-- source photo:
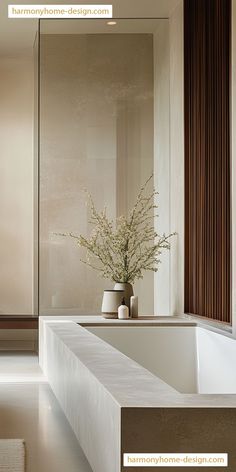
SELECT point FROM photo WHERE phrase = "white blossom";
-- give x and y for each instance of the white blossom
(122, 249)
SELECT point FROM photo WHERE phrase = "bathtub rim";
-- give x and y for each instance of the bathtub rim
(69, 330)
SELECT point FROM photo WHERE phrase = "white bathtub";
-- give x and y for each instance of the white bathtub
(121, 385)
(190, 359)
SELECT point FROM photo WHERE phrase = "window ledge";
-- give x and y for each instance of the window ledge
(213, 325)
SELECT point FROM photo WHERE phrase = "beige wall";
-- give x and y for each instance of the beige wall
(169, 160)
(16, 186)
(16, 271)
(96, 132)
(162, 159)
(177, 159)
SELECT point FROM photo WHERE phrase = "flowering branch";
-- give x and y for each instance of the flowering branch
(123, 249)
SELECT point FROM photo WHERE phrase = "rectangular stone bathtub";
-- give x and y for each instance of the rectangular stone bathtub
(160, 386)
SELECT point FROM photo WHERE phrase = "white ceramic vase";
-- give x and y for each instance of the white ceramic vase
(112, 299)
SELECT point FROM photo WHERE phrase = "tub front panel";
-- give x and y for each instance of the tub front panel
(180, 430)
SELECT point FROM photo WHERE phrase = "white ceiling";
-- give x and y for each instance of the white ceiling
(143, 25)
(17, 35)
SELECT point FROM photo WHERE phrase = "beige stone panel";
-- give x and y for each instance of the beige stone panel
(96, 133)
(16, 186)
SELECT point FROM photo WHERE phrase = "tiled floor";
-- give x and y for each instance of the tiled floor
(29, 410)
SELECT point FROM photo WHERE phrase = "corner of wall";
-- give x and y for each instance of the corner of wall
(177, 160)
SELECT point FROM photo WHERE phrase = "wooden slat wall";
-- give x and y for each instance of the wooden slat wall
(207, 158)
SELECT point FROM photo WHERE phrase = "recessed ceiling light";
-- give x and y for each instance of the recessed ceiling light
(111, 23)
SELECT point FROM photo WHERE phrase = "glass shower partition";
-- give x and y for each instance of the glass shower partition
(96, 133)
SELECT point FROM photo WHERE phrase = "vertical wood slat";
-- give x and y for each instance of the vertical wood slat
(207, 158)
